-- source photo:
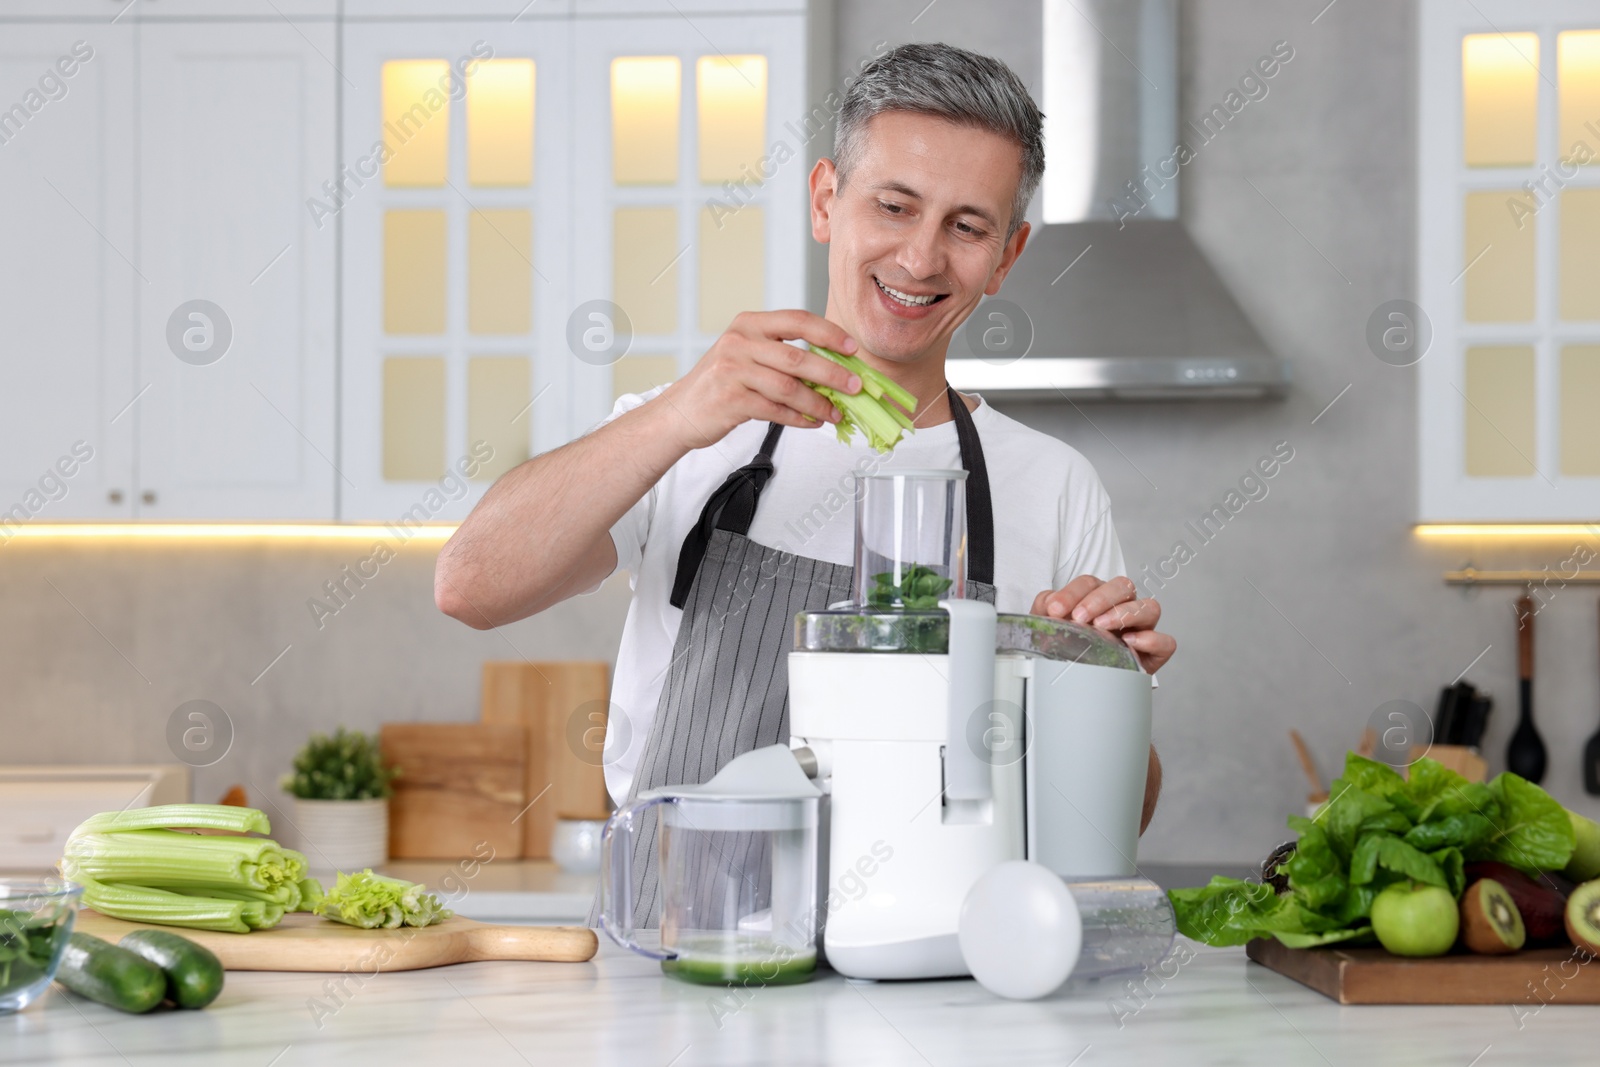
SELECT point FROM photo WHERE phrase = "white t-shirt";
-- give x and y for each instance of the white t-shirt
(1052, 522)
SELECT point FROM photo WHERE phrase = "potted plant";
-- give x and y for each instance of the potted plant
(340, 786)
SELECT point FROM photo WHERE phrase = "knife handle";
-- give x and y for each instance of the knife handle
(1525, 637)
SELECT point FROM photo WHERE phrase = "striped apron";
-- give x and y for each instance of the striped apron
(727, 686)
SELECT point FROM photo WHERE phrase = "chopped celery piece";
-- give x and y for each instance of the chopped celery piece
(370, 901)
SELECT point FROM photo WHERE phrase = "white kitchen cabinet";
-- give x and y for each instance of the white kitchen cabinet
(500, 12)
(40, 806)
(68, 280)
(693, 206)
(456, 260)
(219, 162)
(268, 10)
(1508, 259)
(133, 188)
(236, 131)
(127, 11)
(704, 217)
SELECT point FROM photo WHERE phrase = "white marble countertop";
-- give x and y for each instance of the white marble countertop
(1215, 1008)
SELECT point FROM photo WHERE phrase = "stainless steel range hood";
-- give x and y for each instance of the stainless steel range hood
(1111, 298)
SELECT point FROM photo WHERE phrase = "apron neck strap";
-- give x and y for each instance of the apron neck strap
(980, 509)
(731, 507)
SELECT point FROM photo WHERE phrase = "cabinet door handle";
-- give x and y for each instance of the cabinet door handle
(115, 496)
(148, 496)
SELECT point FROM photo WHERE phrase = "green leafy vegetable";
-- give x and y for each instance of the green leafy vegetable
(370, 901)
(873, 409)
(919, 589)
(1380, 828)
(1535, 833)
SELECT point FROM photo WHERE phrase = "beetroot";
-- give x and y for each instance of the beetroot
(1542, 904)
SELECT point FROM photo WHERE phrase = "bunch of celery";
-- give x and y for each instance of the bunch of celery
(370, 901)
(138, 865)
(870, 410)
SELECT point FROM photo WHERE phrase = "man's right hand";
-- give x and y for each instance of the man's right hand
(750, 373)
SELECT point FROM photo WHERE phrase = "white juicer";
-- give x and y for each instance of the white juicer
(948, 739)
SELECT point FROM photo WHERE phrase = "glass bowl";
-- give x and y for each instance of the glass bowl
(36, 916)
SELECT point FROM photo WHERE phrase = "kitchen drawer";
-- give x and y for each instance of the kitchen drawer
(40, 806)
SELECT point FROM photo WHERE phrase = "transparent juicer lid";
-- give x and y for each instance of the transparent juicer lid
(910, 553)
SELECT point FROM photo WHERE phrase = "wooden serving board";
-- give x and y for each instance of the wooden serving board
(564, 706)
(460, 785)
(1369, 975)
(305, 942)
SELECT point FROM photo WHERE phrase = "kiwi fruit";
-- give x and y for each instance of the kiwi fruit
(1583, 916)
(1490, 922)
(1540, 903)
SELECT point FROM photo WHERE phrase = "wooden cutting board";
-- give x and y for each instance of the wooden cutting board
(564, 706)
(461, 784)
(304, 942)
(1372, 976)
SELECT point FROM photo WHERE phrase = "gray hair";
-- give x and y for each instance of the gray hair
(952, 84)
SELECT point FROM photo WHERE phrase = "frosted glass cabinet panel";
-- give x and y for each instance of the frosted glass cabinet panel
(645, 95)
(1509, 261)
(731, 98)
(1499, 411)
(416, 122)
(1579, 265)
(1497, 259)
(1580, 403)
(1578, 74)
(500, 122)
(1500, 98)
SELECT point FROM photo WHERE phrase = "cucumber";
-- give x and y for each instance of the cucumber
(111, 975)
(194, 974)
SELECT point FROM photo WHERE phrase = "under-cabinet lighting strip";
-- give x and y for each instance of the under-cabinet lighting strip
(1551, 529)
(174, 531)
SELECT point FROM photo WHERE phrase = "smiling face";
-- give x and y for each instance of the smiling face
(917, 234)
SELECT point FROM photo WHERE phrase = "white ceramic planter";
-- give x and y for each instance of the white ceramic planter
(345, 835)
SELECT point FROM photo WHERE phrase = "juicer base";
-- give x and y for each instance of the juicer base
(923, 957)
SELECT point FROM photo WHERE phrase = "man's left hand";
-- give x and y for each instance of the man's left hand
(1115, 607)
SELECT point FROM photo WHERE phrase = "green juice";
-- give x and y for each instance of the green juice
(749, 963)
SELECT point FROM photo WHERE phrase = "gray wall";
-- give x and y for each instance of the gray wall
(101, 642)
(1364, 618)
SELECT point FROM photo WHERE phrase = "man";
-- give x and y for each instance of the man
(938, 153)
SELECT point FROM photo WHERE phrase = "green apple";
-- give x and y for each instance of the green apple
(1414, 919)
(1585, 863)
